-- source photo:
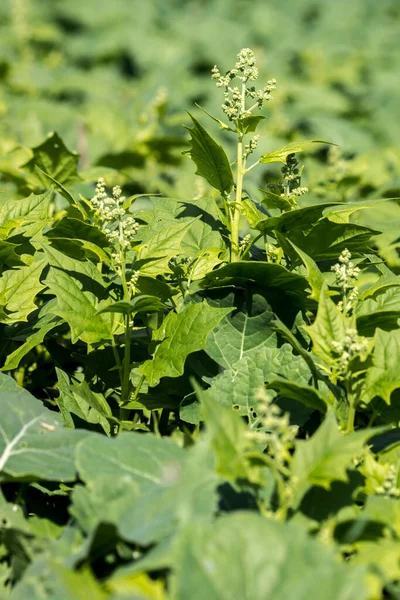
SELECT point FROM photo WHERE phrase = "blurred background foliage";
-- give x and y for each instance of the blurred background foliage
(114, 80)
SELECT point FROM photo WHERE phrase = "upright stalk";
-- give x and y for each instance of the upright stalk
(240, 171)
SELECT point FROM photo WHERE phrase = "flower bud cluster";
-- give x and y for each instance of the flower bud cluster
(274, 428)
(252, 145)
(346, 278)
(348, 348)
(245, 242)
(389, 486)
(345, 271)
(133, 281)
(234, 99)
(119, 228)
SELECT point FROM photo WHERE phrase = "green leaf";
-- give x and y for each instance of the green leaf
(220, 123)
(271, 200)
(230, 558)
(78, 398)
(314, 275)
(79, 308)
(250, 124)
(255, 218)
(54, 158)
(305, 394)
(281, 154)
(325, 457)
(181, 334)
(383, 377)
(89, 237)
(8, 256)
(241, 333)
(210, 158)
(33, 209)
(33, 443)
(136, 305)
(330, 325)
(266, 275)
(227, 437)
(19, 288)
(159, 244)
(162, 487)
(40, 330)
(238, 387)
(322, 230)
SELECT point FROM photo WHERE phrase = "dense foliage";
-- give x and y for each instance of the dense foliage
(200, 355)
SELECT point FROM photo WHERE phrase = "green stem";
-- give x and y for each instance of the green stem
(127, 362)
(239, 191)
(138, 388)
(117, 359)
(352, 408)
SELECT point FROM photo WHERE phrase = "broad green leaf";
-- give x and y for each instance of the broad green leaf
(179, 487)
(251, 557)
(46, 578)
(8, 256)
(64, 192)
(19, 288)
(238, 387)
(383, 377)
(255, 218)
(250, 124)
(33, 209)
(330, 325)
(54, 158)
(318, 231)
(40, 330)
(210, 158)
(267, 276)
(78, 308)
(88, 274)
(137, 305)
(88, 236)
(241, 334)
(301, 393)
(158, 247)
(379, 307)
(325, 457)
(226, 432)
(78, 398)
(271, 200)
(33, 443)
(180, 334)
(281, 154)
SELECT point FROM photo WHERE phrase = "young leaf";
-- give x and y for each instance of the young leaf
(383, 377)
(330, 325)
(181, 334)
(281, 154)
(78, 308)
(250, 124)
(325, 457)
(18, 290)
(210, 158)
(136, 305)
(54, 158)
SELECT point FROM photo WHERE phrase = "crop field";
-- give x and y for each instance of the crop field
(199, 300)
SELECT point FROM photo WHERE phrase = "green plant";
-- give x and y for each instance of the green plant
(173, 395)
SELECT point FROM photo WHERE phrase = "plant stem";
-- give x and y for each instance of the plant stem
(127, 362)
(352, 408)
(240, 171)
